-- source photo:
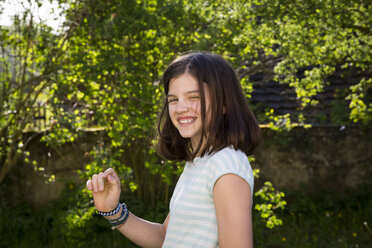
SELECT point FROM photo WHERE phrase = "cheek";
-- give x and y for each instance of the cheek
(171, 111)
(195, 106)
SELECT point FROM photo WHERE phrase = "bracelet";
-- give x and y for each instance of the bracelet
(112, 212)
(117, 223)
(121, 215)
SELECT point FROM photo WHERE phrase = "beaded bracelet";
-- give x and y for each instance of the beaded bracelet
(123, 213)
(117, 223)
(112, 212)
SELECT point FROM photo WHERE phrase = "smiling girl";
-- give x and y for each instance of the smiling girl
(206, 122)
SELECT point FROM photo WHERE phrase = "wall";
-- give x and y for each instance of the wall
(317, 158)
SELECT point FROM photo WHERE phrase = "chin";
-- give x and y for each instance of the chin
(186, 134)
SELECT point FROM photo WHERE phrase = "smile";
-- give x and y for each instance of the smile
(186, 121)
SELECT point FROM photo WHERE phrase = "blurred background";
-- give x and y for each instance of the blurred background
(80, 91)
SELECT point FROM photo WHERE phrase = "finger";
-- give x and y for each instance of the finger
(95, 183)
(110, 171)
(113, 180)
(100, 182)
(112, 177)
(89, 185)
(107, 182)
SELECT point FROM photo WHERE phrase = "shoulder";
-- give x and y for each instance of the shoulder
(229, 157)
(229, 161)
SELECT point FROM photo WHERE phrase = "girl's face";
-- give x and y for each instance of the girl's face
(185, 107)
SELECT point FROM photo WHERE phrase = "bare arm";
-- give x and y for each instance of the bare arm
(232, 199)
(106, 193)
(144, 233)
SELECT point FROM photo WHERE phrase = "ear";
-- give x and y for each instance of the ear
(224, 109)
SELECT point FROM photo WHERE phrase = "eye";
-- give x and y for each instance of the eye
(170, 100)
(194, 97)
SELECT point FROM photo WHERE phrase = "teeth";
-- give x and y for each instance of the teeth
(186, 121)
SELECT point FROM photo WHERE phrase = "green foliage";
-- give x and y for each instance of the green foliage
(115, 60)
(272, 200)
(360, 111)
(283, 38)
(321, 219)
(103, 71)
(26, 69)
(310, 220)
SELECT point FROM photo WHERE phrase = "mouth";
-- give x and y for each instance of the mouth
(186, 121)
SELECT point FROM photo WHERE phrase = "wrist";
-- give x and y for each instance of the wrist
(115, 216)
(111, 212)
(122, 219)
(118, 216)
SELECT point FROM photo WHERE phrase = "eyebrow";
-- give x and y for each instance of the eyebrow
(188, 92)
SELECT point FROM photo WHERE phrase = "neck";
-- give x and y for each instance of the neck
(194, 146)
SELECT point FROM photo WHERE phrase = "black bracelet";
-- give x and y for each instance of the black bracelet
(112, 212)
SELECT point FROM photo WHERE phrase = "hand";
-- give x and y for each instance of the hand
(106, 190)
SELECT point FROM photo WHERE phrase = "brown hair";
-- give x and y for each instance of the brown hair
(232, 122)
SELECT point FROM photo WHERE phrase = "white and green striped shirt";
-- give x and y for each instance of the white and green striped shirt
(192, 220)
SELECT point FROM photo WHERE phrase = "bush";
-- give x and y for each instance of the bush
(310, 220)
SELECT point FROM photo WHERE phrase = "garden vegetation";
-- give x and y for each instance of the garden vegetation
(101, 71)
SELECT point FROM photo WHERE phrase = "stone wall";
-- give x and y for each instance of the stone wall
(55, 170)
(332, 158)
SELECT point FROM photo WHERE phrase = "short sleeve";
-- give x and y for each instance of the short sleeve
(229, 161)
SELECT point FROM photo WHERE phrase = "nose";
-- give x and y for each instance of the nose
(182, 106)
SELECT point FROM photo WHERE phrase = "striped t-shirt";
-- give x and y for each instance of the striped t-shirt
(193, 220)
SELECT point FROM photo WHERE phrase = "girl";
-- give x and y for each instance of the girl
(206, 122)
